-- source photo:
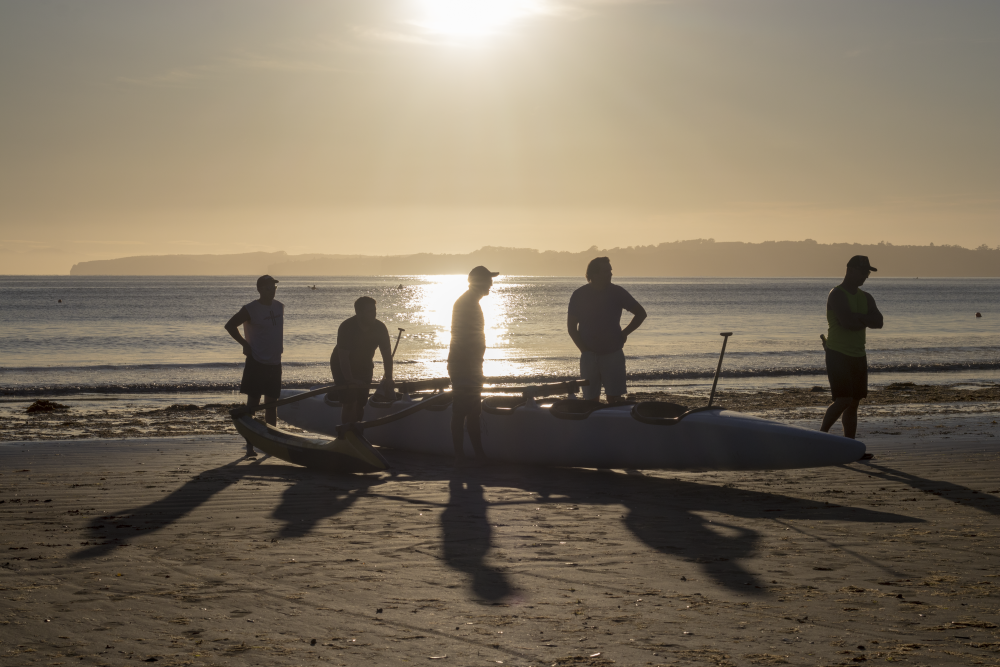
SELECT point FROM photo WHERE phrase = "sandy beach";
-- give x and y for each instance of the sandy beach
(179, 551)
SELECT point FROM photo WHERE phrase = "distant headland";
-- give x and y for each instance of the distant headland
(694, 258)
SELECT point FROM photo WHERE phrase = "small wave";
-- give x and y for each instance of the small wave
(195, 386)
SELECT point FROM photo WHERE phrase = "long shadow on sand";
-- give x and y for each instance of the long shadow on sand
(324, 496)
(683, 519)
(467, 539)
(956, 493)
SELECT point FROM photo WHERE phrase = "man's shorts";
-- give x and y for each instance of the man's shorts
(260, 379)
(345, 394)
(848, 375)
(603, 369)
(467, 388)
(467, 402)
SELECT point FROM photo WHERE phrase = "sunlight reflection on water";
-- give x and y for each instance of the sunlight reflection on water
(431, 304)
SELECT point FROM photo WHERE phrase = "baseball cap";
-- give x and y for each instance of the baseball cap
(861, 262)
(266, 281)
(481, 274)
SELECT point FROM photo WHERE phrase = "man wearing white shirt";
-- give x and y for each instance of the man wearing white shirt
(263, 325)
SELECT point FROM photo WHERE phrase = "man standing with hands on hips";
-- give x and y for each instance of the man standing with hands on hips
(849, 312)
(594, 323)
(263, 323)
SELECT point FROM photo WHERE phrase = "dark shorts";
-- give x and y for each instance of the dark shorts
(341, 392)
(467, 387)
(848, 375)
(467, 402)
(261, 379)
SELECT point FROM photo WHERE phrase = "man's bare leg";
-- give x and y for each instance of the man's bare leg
(833, 413)
(850, 418)
(458, 432)
(351, 412)
(271, 414)
(252, 402)
(475, 435)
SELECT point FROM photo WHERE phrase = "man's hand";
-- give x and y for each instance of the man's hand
(624, 337)
(247, 352)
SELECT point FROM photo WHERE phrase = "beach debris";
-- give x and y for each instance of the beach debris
(312, 642)
(42, 405)
(379, 610)
(816, 389)
(978, 314)
(438, 657)
(683, 578)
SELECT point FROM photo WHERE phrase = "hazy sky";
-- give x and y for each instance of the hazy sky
(393, 126)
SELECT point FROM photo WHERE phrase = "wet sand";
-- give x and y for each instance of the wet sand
(81, 420)
(177, 551)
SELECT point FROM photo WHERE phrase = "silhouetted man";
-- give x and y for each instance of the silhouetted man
(263, 323)
(849, 312)
(352, 360)
(594, 323)
(465, 362)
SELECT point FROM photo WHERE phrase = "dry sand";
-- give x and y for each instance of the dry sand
(178, 551)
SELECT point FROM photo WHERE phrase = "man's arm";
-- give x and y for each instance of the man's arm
(573, 327)
(385, 347)
(873, 319)
(233, 327)
(639, 316)
(344, 358)
(837, 302)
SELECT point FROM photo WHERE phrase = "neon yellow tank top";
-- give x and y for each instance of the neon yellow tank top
(845, 341)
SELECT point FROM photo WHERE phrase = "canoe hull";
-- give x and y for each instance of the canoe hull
(347, 454)
(607, 438)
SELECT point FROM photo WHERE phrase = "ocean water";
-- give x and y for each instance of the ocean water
(129, 335)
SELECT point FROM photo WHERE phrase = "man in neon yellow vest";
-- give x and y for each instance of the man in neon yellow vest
(849, 312)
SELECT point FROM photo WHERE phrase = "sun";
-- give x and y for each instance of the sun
(472, 18)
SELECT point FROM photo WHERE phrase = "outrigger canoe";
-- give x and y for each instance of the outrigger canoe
(571, 432)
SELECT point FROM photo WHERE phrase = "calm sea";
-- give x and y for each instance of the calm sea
(128, 335)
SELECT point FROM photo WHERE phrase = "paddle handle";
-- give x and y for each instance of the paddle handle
(725, 339)
(396, 346)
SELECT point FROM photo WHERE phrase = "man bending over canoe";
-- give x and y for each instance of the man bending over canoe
(352, 362)
(849, 312)
(594, 323)
(465, 362)
(263, 323)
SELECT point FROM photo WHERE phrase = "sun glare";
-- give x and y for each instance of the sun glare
(472, 18)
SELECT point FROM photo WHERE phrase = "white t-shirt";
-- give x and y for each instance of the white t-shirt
(264, 331)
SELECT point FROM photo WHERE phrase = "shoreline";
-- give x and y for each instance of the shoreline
(130, 417)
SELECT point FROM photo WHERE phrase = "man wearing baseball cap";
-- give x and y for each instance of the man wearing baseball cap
(849, 312)
(263, 324)
(465, 362)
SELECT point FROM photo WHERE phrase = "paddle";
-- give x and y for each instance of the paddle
(396, 347)
(725, 339)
